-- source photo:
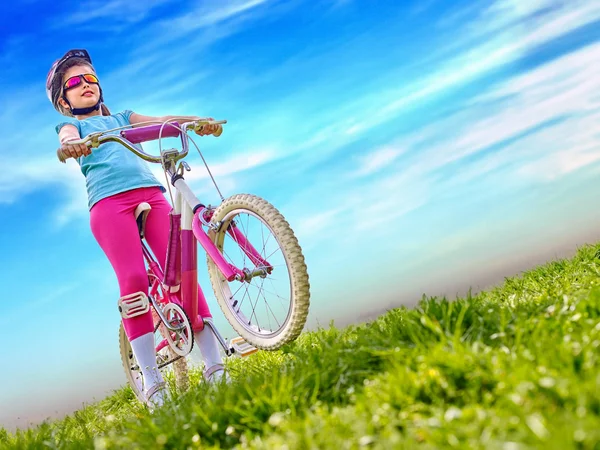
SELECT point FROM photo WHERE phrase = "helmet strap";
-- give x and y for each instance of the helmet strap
(81, 111)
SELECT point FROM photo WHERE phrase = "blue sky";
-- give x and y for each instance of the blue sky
(415, 147)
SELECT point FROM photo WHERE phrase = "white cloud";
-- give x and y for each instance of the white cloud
(564, 90)
(389, 203)
(516, 31)
(561, 163)
(561, 89)
(355, 206)
(545, 155)
(479, 60)
(544, 120)
(513, 37)
(111, 11)
(309, 227)
(197, 28)
(378, 159)
(544, 123)
(209, 14)
(20, 178)
(240, 162)
(236, 163)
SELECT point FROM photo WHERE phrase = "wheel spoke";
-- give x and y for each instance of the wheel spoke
(267, 308)
(265, 243)
(238, 290)
(229, 257)
(274, 251)
(261, 292)
(254, 313)
(267, 304)
(274, 288)
(269, 292)
(239, 305)
(262, 234)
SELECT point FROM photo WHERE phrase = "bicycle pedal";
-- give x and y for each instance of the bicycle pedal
(241, 347)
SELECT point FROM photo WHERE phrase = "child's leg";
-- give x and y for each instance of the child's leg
(157, 235)
(114, 227)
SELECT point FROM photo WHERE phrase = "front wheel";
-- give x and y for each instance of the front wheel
(270, 309)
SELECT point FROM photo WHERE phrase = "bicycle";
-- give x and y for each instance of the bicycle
(174, 293)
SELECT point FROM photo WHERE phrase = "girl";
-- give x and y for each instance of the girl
(117, 181)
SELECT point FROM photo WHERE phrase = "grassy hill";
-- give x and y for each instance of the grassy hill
(515, 367)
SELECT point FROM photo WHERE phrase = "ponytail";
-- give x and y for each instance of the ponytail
(105, 110)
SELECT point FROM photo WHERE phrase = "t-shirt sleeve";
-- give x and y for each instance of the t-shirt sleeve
(126, 115)
(74, 122)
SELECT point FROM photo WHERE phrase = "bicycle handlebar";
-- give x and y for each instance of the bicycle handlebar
(141, 134)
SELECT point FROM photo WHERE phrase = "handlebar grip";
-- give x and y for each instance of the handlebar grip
(62, 156)
(213, 122)
(151, 132)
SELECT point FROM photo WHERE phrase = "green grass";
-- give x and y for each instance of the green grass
(515, 367)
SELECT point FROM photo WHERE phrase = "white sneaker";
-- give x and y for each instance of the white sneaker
(216, 374)
(156, 396)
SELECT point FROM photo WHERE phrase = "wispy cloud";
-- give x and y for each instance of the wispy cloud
(309, 227)
(194, 29)
(22, 178)
(519, 30)
(209, 14)
(378, 159)
(536, 126)
(26, 307)
(540, 123)
(111, 11)
(535, 102)
(484, 58)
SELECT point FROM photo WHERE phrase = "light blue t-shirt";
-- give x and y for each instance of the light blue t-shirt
(111, 168)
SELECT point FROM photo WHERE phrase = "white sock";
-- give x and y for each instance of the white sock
(209, 347)
(145, 353)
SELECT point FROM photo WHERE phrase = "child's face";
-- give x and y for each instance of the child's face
(85, 94)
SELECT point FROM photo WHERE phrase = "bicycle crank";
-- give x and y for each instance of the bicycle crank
(237, 346)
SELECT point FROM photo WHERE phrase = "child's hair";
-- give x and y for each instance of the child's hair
(59, 82)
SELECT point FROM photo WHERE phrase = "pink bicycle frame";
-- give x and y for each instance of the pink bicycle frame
(191, 231)
(181, 267)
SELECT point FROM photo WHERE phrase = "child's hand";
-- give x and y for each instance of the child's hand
(75, 150)
(210, 129)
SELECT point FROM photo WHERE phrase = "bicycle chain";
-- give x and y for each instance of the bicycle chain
(170, 361)
(160, 366)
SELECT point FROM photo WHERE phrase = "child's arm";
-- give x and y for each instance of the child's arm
(136, 118)
(69, 133)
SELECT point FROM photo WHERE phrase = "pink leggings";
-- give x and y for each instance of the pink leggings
(114, 227)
